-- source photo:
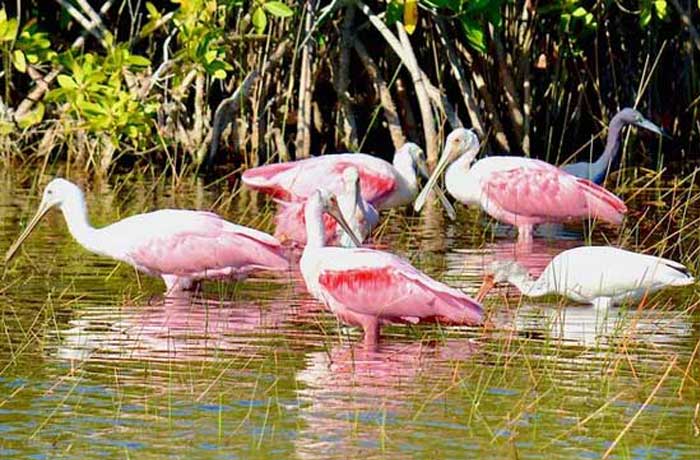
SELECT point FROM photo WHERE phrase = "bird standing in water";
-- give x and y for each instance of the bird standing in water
(597, 171)
(181, 246)
(601, 275)
(519, 191)
(367, 288)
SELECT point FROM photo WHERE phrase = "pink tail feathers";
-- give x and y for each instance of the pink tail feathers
(603, 204)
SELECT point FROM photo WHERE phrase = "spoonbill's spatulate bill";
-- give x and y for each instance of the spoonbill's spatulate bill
(384, 185)
(180, 246)
(519, 191)
(361, 216)
(367, 288)
(597, 171)
(601, 275)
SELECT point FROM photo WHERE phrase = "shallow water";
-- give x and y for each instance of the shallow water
(95, 363)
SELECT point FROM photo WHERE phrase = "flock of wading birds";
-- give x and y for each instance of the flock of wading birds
(336, 199)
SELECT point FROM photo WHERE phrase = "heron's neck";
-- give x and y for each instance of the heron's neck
(315, 231)
(76, 215)
(612, 145)
(528, 286)
(403, 163)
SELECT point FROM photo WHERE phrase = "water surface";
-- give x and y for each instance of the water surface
(95, 363)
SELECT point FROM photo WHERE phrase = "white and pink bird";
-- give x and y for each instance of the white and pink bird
(362, 217)
(522, 192)
(367, 288)
(181, 246)
(384, 185)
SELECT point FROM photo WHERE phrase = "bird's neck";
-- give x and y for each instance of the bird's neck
(407, 171)
(528, 286)
(76, 215)
(612, 144)
(315, 231)
(455, 181)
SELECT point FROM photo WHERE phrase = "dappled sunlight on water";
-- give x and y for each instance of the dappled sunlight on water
(96, 362)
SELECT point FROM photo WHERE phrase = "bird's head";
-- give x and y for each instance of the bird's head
(459, 142)
(58, 193)
(329, 204)
(631, 116)
(499, 271)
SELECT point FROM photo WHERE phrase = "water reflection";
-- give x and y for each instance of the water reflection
(588, 326)
(352, 398)
(186, 328)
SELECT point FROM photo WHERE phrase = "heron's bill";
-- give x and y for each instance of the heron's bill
(486, 286)
(43, 209)
(646, 124)
(335, 213)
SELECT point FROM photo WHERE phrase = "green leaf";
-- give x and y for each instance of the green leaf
(219, 74)
(259, 20)
(394, 13)
(33, 117)
(474, 33)
(6, 128)
(19, 61)
(153, 11)
(661, 9)
(67, 82)
(278, 9)
(209, 56)
(138, 61)
(645, 17)
(10, 31)
(579, 12)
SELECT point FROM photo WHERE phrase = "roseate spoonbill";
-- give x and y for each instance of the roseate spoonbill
(518, 191)
(180, 246)
(359, 214)
(384, 185)
(599, 169)
(601, 275)
(367, 288)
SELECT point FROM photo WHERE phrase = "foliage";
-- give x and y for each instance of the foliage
(99, 93)
(150, 76)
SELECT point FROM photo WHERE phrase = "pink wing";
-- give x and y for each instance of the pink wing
(290, 223)
(297, 180)
(189, 243)
(397, 291)
(544, 191)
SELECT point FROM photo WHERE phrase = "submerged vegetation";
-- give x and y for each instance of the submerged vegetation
(175, 82)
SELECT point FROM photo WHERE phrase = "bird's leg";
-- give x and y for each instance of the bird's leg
(525, 236)
(175, 285)
(370, 325)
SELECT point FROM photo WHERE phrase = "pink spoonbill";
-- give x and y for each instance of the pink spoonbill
(601, 275)
(361, 216)
(368, 288)
(181, 246)
(384, 185)
(519, 191)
